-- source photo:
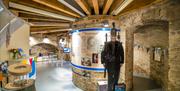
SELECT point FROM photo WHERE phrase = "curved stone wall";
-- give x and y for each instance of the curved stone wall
(87, 45)
(87, 79)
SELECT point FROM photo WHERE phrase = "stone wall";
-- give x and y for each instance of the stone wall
(145, 38)
(141, 66)
(38, 38)
(167, 12)
(174, 45)
(38, 44)
(44, 49)
(87, 80)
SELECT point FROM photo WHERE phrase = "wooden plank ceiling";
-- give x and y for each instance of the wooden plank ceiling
(54, 15)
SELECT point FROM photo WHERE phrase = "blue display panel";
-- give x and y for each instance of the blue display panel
(67, 50)
(91, 29)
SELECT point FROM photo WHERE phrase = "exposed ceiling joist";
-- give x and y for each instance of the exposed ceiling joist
(96, 6)
(37, 17)
(107, 5)
(57, 6)
(137, 4)
(122, 6)
(35, 10)
(49, 24)
(43, 20)
(43, 28)
(84, 6)
(28, 15)
(115, 5)
(57, 32)
(31, 3)
(71, 7)
(25, 12)
(49, 29)
(34, 16)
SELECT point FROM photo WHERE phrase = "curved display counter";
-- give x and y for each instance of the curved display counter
(19, 69)
(29, 85)
(86, 78)
(87, 45)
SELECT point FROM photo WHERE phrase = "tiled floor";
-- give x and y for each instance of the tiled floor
(53, 78)
(50, 77)
(144, 84)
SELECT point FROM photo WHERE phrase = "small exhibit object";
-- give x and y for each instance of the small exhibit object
(19, 69)
(85, 61)
(102, 85)
(120, 87)
(94, 58)
(67, 50)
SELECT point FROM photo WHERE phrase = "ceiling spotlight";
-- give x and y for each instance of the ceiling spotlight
(46, 40)
(106, 25)
(30, 38)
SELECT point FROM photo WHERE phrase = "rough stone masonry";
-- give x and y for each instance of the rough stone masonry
(167, 14)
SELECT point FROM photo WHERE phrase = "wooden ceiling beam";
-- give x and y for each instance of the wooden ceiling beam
(36, 16)
(122, 6)
(49, 24)
(35, 10)
(84, 6)
(96, 6)
(25, 12)
(71, 7)
(44, 20)
(107, 5)
(33, 15)
(115, 5)
(48, 29)
(45, 28)
(137, 4)
(51, 32)
(57, 6)
(31, 3)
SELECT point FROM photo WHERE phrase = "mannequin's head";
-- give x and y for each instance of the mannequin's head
(113, 32)
(113, 38)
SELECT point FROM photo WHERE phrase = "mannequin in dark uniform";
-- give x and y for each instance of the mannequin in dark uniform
(113, 58)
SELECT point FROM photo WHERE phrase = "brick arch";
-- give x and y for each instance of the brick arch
(151, 22)
(131, 26)
(163, 25)
(45, 46)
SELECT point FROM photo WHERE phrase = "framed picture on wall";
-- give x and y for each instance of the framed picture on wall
(94, 58)
(85, 61)
(157, 54)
